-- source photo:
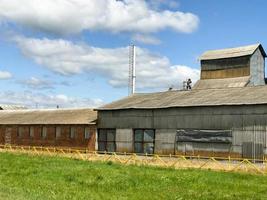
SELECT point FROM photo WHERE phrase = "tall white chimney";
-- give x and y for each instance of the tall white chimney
(132, 76)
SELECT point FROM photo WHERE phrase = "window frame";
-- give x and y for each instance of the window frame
(58, 134)
(85, 133)
(106, 141)
(143, 142)
(31, 132)
(20, 131)
(44, 133)
(74, 132)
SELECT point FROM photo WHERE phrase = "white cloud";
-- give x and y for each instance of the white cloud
(74, 16)
(31, 100)
(37, 83)
(146, 39)
(68, 58)
(5, 75)
(158, 3)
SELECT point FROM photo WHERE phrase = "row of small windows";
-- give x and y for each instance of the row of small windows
(72, 132)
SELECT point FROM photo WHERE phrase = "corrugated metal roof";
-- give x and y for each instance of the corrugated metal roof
(232, 52)
(222, 83)
(12, 107)
(206, 97)
(49, 116)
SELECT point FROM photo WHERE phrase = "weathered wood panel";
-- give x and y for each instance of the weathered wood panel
(225, 73)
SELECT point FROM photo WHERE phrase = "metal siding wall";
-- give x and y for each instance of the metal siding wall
(257, 69)
(223, 117)
(124, 140)
(248, 123)
(165, 141)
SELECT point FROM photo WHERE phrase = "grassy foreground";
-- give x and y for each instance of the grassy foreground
(27, 177)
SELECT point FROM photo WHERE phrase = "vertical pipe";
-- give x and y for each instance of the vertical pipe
(134, 76)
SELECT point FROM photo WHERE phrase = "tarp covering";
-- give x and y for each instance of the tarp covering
(204, 136)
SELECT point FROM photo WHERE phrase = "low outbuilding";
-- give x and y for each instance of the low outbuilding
(51, 127)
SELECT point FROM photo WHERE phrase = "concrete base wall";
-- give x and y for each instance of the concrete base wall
(124, 140)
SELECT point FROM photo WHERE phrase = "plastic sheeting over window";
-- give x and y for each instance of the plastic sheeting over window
(204, 136)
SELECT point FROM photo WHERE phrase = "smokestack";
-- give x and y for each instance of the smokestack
(132, 76)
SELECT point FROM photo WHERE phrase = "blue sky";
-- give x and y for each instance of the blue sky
(73, 53)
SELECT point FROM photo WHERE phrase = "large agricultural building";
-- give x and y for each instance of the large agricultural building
(54, 127)
(225, 113)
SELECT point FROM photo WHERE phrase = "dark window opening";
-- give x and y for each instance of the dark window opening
(144, 141)
(107, 140)
(20, 132)
(86, 133)
(72, 132)
(31, 132)
(58, 132)
(44, 132)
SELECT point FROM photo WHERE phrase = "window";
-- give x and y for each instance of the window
(72, 132)
(44, 132)
(107, 140)
(20, 132)
(58, 132)
(86, 133)
(31, 132)
(144, 141)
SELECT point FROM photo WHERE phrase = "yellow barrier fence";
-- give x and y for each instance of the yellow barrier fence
(167, 161)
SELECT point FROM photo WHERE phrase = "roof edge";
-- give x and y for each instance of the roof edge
(257, 45)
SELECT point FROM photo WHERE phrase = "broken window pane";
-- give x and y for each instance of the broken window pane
(149, 148)
(149, 135)
(144, 141)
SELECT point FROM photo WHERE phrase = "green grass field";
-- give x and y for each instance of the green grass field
(28, 177)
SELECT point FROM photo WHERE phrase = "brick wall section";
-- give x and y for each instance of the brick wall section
(64, 140)
(2, 135)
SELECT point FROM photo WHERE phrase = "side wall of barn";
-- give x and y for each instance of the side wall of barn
(10, 135)
(247, 124)
(2, 135)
